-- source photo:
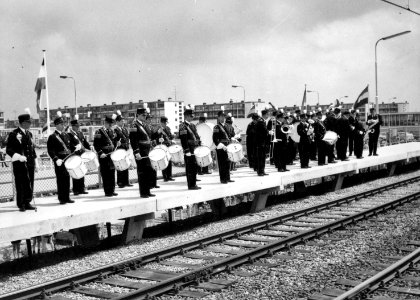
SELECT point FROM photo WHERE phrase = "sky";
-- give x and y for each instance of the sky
(122, 51)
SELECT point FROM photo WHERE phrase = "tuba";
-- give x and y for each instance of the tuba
(286, 129)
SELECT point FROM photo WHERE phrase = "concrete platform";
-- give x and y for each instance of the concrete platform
(96, 208)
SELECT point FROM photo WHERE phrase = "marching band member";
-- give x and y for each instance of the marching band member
(165, 137)
(313, 146)
(343, 131)
(105, 143)
(261, 142)
(319, 130)
(271, 126)
(153, 136)
(330, 123)
(250, 142)
(21, 149)
(59, 148)
(141, 144)
(359, 134)
(203, 170)
(123, 136)
(304, 143)
(352, 122)
(280, 143)
(374, 121)
(77, 137)
(231, 132)
(291, 146)
(221, 139)
(189, 141)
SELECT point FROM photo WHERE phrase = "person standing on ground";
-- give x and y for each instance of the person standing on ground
(122, 135)
(374, 121)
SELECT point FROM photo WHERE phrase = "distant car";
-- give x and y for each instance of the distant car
(406, 136)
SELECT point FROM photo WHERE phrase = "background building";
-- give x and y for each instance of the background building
(2, 124)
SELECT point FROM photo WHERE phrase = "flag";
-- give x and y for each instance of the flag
(251, 111)
(40, 85)
(304, 99)
(337, 103)
(45, 127)
(363, 98)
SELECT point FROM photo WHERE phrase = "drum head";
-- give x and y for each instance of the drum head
(118, 154)
(157, 154)
(163, 147)
(174, 149)
(73, 162)
(201, 151)
(205, 131)
(88, 155)
(234, 147)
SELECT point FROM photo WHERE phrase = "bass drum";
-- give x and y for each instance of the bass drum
(294, 134)
(205, 131)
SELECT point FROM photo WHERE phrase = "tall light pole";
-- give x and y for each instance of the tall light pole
(74, 84)
(376, 64)
(237, 105)
(317, 95)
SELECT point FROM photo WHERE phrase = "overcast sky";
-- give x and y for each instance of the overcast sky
(121, 51)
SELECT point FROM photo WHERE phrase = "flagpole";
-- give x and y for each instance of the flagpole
(46, 94)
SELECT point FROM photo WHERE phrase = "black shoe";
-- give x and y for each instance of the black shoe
(375, 154)
(345, 159)
(370, 154)
(121, 186)
(84, 193)
(171, 179)
(62, 202)
(198, 180)
(200, 173)
(321, 164)
(109, 195)
(266, 174)
(287, 170)
(144, 196)
(281, 170)
(165, 180)
(223, 182)
(156, 187)
(332, 162)
(114, 194)
(151, 195)
(69, 201)
(360, 157)
(230, 180)
(22, 209)
(305, 167)
(208, 173)
(129, 184)
(76, 194)
(194, 188)
(261, 174)
(29, 207)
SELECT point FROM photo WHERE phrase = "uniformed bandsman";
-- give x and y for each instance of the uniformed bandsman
(141, 144)
(165, 137)
(105, 143)
(312, 147)
(271, 123)
(21, 149)
(189, 141)
(330, 124)
(152, 132)
(250, 144)
(343, 132)
(77, 137)
(352, 122)
(319, 131)
(374, 122)
(303, 129)
(359, 134)
(202, 170)
(280, 143)
(123, 136)
(261, 140)
(221, 139)
(59, 148)
(232, 134)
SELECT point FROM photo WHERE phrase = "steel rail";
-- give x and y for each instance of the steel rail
(97, 273)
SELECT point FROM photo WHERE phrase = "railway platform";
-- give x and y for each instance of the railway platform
(94, 208)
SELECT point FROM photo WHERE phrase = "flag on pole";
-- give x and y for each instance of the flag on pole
(337, 103)
(251, 111)
(40, 85)
(304, 99)
(363, 98)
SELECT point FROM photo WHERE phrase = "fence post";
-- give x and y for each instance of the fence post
(13, 181)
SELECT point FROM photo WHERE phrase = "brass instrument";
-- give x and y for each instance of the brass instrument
(372, 124)
(286, 129)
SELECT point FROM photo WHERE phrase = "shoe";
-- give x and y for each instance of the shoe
(76, 194)
(144, 196)
(70, 201)
(346, 159)
(171, 179)
(198, 180)
(360, 157)
(305, 167)
(287, 170)
(114, 194)
(281, 170)
(332, 162)
(62, 202)
(129, 185)
(29, 207)
(165, 180)
(22, 209)
(261, 174)
(370, 154)
(266, 174)
(321, 164)
(200, 173)
(109, 195)
(223, 182)
(194, 188)
(84, 193)
(156, 187)
(121, 186)
(230, 180)
(151, 195)
(375, 154)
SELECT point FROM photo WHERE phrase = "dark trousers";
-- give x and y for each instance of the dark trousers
(108, 178)
(312, 150)
(271, 153)
(373, 143)
(358, 145)
(341, 146)
(260, 159)
(191, 170)
(167, 173)
(322, 154)
(291, 151)
(250, 154)
(153, 178)
(224, 165)
(63, 183)
(144, 173)
(330, 152)
(78, 185)
(24, 187)
(304, 153)
(202, 170)
(351, 143)
(280, 156)
(123, 178)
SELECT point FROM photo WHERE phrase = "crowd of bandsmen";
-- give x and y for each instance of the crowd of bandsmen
(267, 135)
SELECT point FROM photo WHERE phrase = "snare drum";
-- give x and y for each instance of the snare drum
(76, 167)
(203, 156)
(177, 154)
(164, 148)
(133, 163)
(158, 159)
(91, 160)
(234, 152)
(120, 159)
(330, 137)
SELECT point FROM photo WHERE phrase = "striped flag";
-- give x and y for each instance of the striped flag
(363, 98)
(40, 85)
(251, 111)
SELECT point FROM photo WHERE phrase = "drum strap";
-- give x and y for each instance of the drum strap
(144, 130)
(191, 132)
(106, 134)
(61, 142)
(223, 129)
(75, 134)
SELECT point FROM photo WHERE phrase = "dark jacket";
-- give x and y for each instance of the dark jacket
(78, 138)
(123, 136)
(376, 117)
(59, 146)
(220, 135)
(25, 147)
(261, 133)
(343, 127)
(189, 137)
(302, 130)
(140, 139)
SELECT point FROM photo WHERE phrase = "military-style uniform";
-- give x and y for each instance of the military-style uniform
(291, 144)
(280, 148)
(153, 136)
(141, 144)
(220, 138)
(343, 131)
(359, 135)
(304, 143)
(104, 143)
(320, 130)
(20, 142)
(262, 141)
(59, 147)
(330, 125)
(189, 141)
(123, 136)
(352, 122)
(272, 122)
(167, 137)
(373, 137)
(250, 144)
(77, 137)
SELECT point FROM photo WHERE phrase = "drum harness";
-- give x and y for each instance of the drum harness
(193, 134)
(109, 139)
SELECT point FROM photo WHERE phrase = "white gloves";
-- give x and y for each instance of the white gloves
(161, 140)
(138, 157)
(220, 146)
(234, 140)
(103, 155)
(59, 162)
(92, 148)
(271, 132)
(23, 158)
(78, 147)
(16, 157)
(360, 132)
(188, 154)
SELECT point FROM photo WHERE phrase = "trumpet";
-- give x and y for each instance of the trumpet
(286, 129)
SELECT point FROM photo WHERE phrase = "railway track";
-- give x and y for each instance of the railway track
(199, 260)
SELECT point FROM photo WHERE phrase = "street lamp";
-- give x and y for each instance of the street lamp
(317, 95)
(74, 84)
(376, 64)
(237, 106)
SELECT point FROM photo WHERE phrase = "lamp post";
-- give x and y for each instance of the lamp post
(376, 64)
(74, 84)
(237, 105)
(317, 95)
